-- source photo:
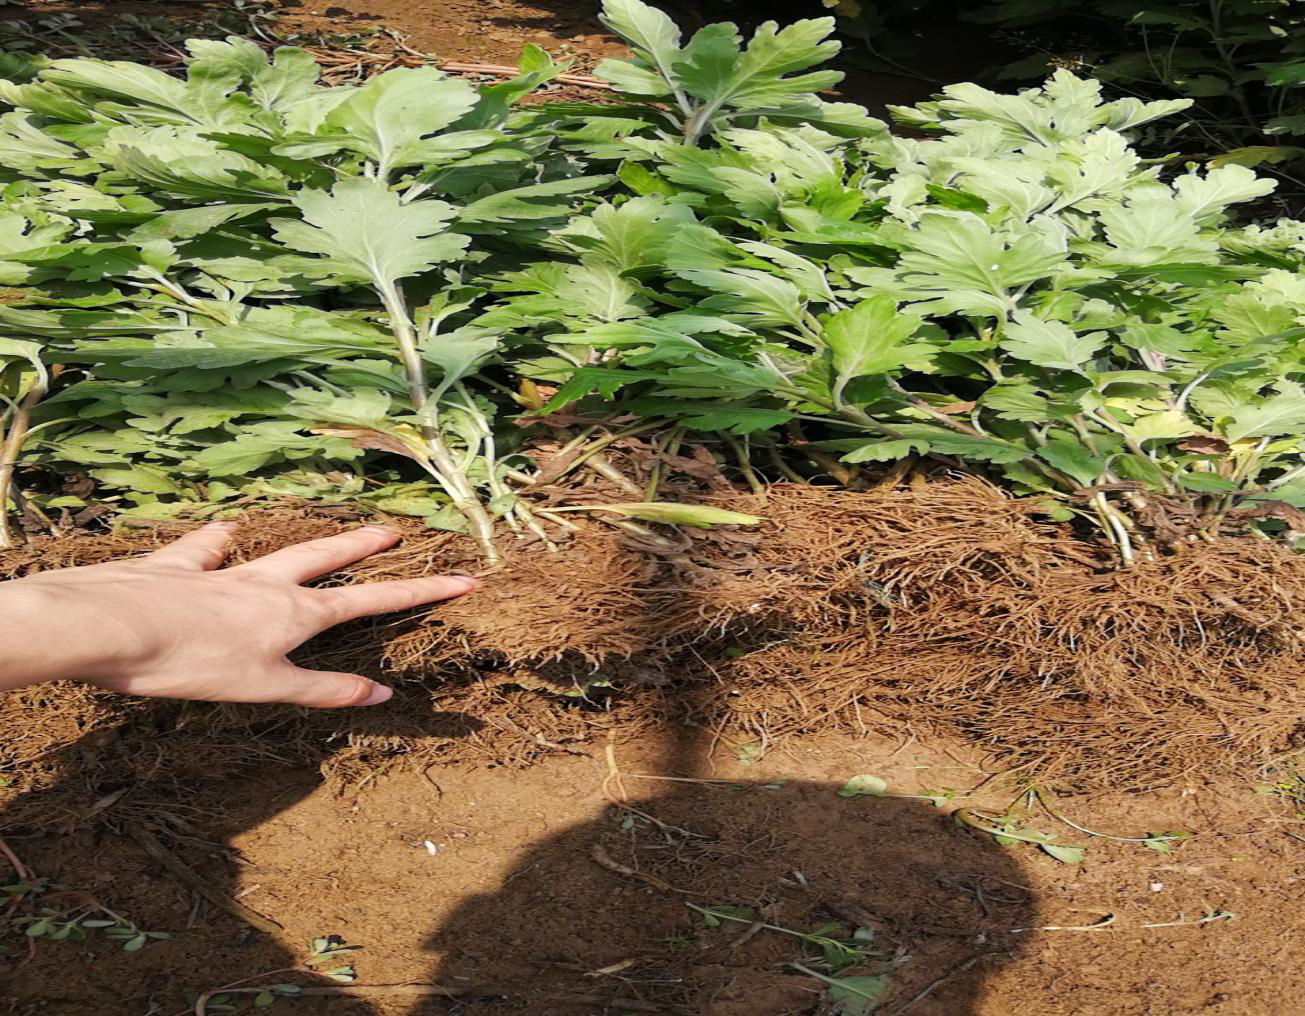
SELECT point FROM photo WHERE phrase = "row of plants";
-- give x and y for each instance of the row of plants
(243, 283)
(1242, 62)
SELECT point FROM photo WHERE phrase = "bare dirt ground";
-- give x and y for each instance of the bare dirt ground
(545, 897)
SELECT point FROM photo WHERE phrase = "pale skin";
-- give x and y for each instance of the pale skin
(176, 624)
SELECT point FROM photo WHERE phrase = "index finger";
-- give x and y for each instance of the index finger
(347, 602)
(310, 560)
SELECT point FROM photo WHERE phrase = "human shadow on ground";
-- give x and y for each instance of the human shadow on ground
(605, 917)
(609, 915)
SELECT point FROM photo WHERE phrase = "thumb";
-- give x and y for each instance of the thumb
(324, 689)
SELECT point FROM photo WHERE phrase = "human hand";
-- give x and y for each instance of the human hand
(171, 624)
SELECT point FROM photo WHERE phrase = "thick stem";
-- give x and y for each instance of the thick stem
(598, 463)
(595, 447)
(446, 468)
(14, 437)
(1112, 519)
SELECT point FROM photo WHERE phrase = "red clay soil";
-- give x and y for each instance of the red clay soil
(539, 895)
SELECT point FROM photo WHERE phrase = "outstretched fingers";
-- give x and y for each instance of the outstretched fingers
(347, 602)
(310, 560)
(201, 549)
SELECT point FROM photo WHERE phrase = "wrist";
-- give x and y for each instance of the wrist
(48, 633)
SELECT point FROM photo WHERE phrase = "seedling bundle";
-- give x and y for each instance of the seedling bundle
(244, 284)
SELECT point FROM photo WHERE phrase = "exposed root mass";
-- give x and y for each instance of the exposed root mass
(949, 606)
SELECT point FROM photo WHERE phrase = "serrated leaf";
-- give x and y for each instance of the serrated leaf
(1073, 459)
(388, 116)
(750, 293)
(1165, 425)
(288, 78)
(871, 338)
(457, 354)
(365, 233)
(922, 437)
(1222, 186)
(949, 256)
(655, 38)
(1049, 343)
(1282, 413)
(717, 73)
(535, 201)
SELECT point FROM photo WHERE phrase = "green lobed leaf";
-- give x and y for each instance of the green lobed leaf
(364, 232)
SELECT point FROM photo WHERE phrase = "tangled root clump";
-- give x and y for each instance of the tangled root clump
(977, 619)
(949, 607)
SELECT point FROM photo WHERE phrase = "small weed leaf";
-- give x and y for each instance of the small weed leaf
(1006, 831)
(715, 916)
(263, 999)
(857, 996)
(38, 928)
(1165, 841)
(1064, 854)
(864, 785)
(750, 752)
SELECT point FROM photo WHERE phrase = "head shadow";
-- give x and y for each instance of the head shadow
(695, 892)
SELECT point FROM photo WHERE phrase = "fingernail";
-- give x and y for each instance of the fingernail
(387, 530)
(469, 582)
(222, 525)
(377, 695)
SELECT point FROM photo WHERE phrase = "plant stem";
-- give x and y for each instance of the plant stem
(598, 445)
(928, 410)
(745, 467)
(1122, 539)
(201, 1003)
(1229, 64)
(784, 469)
(14, 436)
(1042, 796)
(445, 469)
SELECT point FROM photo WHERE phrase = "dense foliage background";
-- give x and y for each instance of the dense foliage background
(244, 283)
